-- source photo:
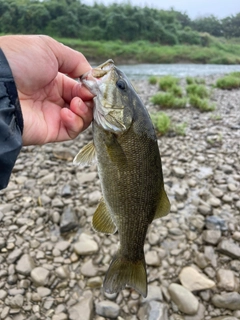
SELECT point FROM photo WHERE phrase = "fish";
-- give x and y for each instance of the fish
(130, 170)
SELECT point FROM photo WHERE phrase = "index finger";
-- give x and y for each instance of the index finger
(70, 62)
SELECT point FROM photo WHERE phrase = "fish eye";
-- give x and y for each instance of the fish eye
(121, 84)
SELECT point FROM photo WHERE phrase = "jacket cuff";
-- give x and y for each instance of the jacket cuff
(7, 77)
(11, 122)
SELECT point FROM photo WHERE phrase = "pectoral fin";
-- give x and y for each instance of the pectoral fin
(86, 156)
(163, 207)
(102, 220)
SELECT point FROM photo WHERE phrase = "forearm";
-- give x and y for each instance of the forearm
(11, 122)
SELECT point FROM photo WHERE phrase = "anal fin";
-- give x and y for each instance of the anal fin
(102, 220)
(164, 206)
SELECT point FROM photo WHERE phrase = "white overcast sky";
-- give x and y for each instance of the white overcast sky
(194, 8)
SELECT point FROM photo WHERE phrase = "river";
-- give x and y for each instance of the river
(143, 71)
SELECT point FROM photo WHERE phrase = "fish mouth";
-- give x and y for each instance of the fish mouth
(93, 78)
(105, 113)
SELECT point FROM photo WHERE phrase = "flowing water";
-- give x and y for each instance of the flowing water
(143, 71)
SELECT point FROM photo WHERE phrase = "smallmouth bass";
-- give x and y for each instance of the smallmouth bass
(130, 171)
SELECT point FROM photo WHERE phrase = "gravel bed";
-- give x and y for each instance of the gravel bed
(52, 264)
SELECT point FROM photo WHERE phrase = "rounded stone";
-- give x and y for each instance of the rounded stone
(183, 298)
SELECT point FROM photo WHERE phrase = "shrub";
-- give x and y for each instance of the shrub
(202, 104)
(180, 129)
(228, 82)
(197, 90)
(161, 122)
(166, 82)
(168, 100)
(153, 80)
(191, 80)
(176, 91)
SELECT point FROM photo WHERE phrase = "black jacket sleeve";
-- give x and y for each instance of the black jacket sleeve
(11, 122)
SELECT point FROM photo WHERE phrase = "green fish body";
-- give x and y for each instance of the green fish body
(130, 172)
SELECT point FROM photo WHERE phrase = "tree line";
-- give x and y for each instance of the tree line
(74, 19)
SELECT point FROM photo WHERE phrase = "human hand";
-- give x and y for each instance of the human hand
(55, 107)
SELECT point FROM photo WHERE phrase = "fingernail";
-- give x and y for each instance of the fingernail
(83, 107)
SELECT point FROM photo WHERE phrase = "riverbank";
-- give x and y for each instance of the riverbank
(218, 51)
(53, 264)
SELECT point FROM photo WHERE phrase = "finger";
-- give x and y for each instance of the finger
(83, 110)
(71, 88)
(70, 61)
(72, 124)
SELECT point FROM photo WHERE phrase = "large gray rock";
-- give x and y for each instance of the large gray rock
(107, 309)
(83, 310)
(229, 248)
(25, 265)
(86, 245)
(183, 298)
(153, 310)
(226, 280)
(229, 300)
(40, 276)
(194, 280)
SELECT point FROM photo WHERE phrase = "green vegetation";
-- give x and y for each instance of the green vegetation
(180, 129)
(153, 80)
(201, 104)
(191, 80)
(125, 32)
(161, 122)
(168, 100)
(167, 82)
(197, 90)
(229, 81)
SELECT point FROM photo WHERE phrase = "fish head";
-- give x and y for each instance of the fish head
(113, 93)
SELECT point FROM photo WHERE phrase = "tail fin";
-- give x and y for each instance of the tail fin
(124, 272)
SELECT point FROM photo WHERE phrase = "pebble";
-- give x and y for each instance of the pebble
(184, 299)
(230, 300)
(69, 220)
(194, 280)
(40, 276)
(14, 255)
(214, 202)
(94, 197)
(178, 172)
(211, 236)
(215, 223)
(86, 245)
(226, 280)
(154, 310)
(25, 265)
(152, 259)
(107, 309)
(82, 310)
(229, 248)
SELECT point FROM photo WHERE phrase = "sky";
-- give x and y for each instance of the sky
(194, 8)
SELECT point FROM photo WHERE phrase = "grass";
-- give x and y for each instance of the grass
(229, 81)
(197, 90)
(192, 80)
(161, 122)
(168, 100)
(167, 82)
(152, 80)
(146, 52)
(180, 129)
(202, 104)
